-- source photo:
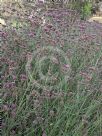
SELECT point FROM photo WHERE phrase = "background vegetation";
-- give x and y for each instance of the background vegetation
(68, 100)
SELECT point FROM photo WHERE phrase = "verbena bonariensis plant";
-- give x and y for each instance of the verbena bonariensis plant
(45, 102)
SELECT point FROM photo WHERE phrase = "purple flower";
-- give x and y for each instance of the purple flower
(66, 66)
(41, 1)
(13, 106)
(9, 85)
(14, 77)
(5, 108)
(31, 34)
(23, 77)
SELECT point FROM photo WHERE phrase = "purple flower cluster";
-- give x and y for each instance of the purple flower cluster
(9, 85)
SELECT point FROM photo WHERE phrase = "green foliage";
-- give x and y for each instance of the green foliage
(83, 7)
(86, 10)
